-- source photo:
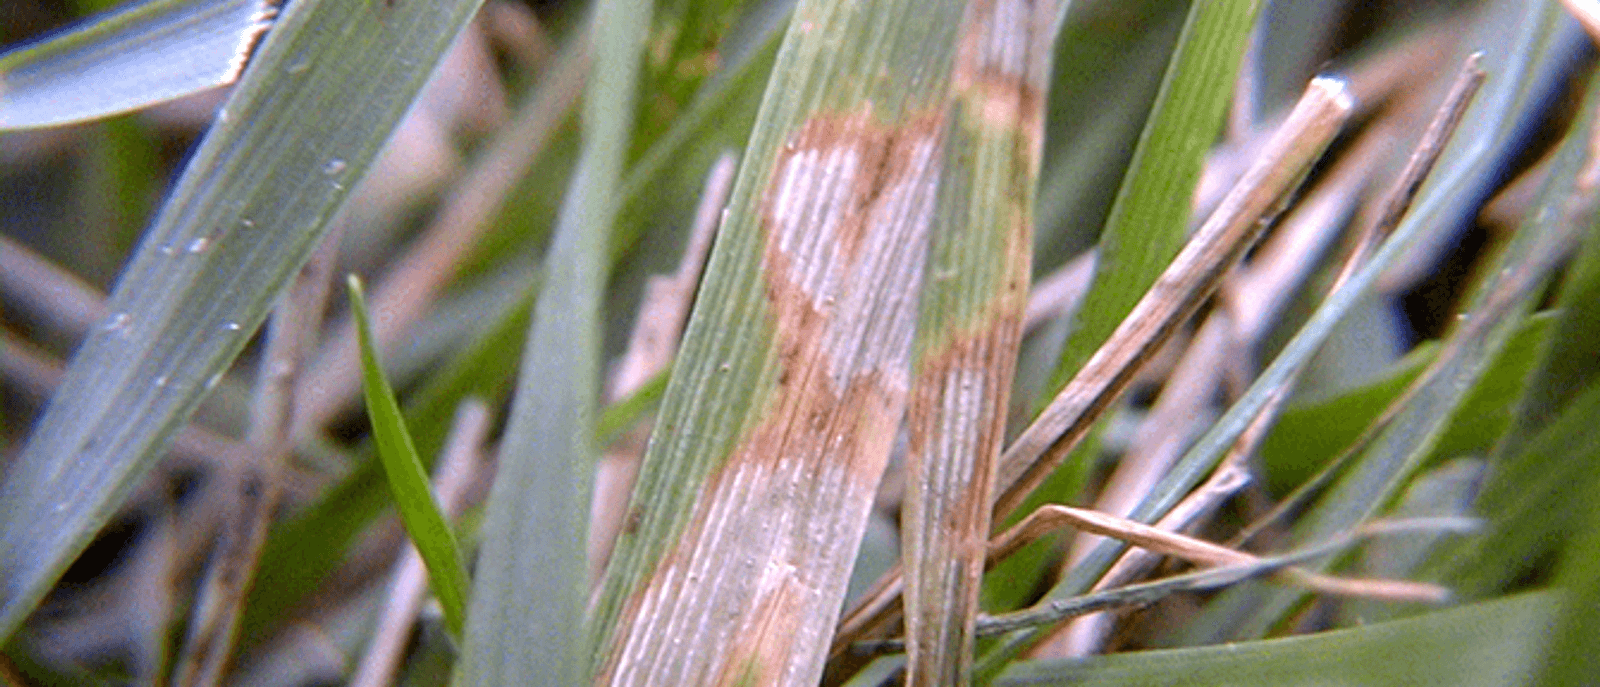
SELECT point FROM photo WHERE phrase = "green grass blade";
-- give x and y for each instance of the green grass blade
(1150, 216)
(621, 416)
(528, 611)
(1489, 644)
(1573, 654)
(1540, 491)
(1309, 435)
(146, 53)
(325, 90)
(303, 550)
(408, 482)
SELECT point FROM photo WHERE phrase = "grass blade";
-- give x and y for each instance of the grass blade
(1150, 217)
(1192, 276)
(719, 117)
(413, 495)
(132, 57)
(1487, 644)
(324, 91)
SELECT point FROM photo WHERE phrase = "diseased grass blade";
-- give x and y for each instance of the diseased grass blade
(794, 369)
(970, 326)
(527, 624)
(135, 56)
(1260, 193)
(1490, 644)
(1182, 287)
(425, 521)
(323, 92)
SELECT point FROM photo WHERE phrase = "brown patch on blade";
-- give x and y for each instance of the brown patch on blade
(751, 588)
(955, 424)
(999, 61)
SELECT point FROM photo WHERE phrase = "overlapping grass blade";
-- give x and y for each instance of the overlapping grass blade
(719, 116)
(1149, 218)
(136, 56)
(324, 91)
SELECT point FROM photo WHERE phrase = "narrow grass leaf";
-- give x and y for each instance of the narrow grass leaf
(322, 94)
(135, 56)
(628, 410)
(527, 623)
(303, 550)
(408, 482)
(1150, 217)
(970, 326)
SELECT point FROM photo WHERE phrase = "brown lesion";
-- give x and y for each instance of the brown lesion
(999, 64)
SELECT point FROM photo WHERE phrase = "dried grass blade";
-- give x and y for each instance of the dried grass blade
(1227, 574)
(1190, 278)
